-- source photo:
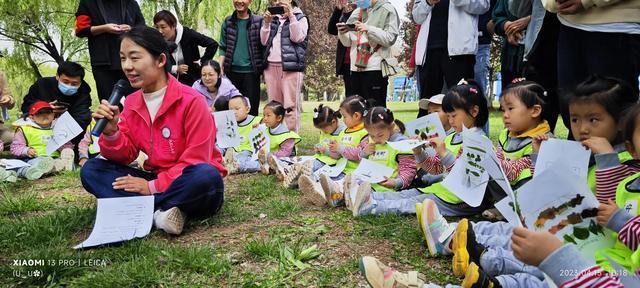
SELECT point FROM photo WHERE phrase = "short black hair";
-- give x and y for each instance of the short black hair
(221, 104)
(465, 96)
(70, 69)
(355, 104)
(630, 122)
(151, 40)
(323, 115)
(166, 16)
(615, 95)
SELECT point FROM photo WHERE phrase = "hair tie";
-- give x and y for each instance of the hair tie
(544, 93)
(316, 115)
(516, 80)
(473, 90)
(463, 82)
(365, 113)
(381, 116)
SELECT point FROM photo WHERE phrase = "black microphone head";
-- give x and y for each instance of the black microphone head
(121, 84)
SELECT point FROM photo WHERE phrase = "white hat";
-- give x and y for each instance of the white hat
(435, 99)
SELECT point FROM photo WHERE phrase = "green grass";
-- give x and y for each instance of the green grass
(256, 241)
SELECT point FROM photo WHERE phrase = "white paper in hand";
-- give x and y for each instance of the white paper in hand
(227, 129)
(64, 130)
(426, 127)
(259, 140)
(332, 171)
(372, 172)
(406, 145)
(571, 153)
(562, 204)
(120, 219)
(469, 177)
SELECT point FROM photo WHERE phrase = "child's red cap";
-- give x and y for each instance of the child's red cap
(39, 105)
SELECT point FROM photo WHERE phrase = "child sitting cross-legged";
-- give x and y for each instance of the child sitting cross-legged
(30, 142)
(238, 159)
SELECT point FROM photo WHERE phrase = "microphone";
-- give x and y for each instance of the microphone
(114, 99)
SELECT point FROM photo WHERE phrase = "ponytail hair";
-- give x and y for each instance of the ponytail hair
(278, 108)
(377, 115)
(324, 115)
(355, 104)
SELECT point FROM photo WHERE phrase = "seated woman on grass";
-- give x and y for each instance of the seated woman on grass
(169, 122)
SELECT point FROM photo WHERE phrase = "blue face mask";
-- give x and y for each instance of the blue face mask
(67, 89)
(364, 4)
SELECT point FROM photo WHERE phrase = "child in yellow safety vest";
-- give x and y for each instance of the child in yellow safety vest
(30, 142)
(282, 141)
(239, 159)
(88, 147)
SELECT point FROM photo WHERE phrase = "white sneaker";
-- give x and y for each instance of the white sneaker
(44, 166)
(332, 191)
(291, 175)
(363, 204)
(65, 162)
(349, 189)
(312, 191)
(8, 175)
(436, 230)
(171, 221)
(277, 166)
(230, 161)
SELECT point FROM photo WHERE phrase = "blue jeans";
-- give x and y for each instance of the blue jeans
(198, 192)
(481, 70)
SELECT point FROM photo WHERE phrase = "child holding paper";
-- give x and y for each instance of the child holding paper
(349, 145)
(379, 122)
(30, 142)
(327, 121)
(282, 141)
(238, 159)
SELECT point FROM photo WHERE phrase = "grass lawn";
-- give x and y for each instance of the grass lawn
(254, 242)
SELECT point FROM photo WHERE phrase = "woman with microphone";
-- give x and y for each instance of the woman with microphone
(169, 122)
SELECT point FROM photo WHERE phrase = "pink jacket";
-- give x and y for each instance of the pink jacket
(182, 134)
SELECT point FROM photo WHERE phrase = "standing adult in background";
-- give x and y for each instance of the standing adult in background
(511, 27)
(66, 92)
(596, 37)
(541, 56)
(102, 22)
(286, 38)
(185, 58)
(376, 29)
(341, 14)
(6, 102)
(447, 42)
(241, 53)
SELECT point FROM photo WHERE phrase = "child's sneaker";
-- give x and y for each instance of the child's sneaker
(311, 191)
(332, 191)
(274, 163)
(291, 175)
(306, 168)
(349, 188)
(230, 161)
(65, 162)
(364, 203)
(8, 175)
(170, 221)
(436, 230)
(379, 275)
(44, 166)
(264, 163)
(465, 248)
(475, 277)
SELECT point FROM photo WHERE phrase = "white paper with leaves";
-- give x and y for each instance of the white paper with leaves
(259, 140)
(65, 129)
(227, 134)
(563, 205)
